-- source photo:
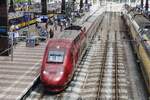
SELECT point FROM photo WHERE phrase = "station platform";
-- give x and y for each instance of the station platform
(17, 76)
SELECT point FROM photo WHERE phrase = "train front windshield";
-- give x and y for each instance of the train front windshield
(55, 56)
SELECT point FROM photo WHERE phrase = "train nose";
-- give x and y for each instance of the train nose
(53, 75)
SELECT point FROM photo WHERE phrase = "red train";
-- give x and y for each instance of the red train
(59, 59)
(63, 52)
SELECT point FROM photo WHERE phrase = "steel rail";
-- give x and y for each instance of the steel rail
(116, 69)
(102, 68)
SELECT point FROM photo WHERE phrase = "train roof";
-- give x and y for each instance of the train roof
(140, 20)
(70, 33)
(59, 43)
(91, 20)
(87, 25)
(99, 12)
(92, 17)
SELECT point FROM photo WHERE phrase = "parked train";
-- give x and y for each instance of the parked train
(63, 52)
(140, 34)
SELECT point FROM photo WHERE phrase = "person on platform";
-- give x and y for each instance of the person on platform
(46, 25)
(51, 33)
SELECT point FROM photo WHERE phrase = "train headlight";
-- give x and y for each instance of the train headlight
(60, 70)
(59, 74)
(45, 72)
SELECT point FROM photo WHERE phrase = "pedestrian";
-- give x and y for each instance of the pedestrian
(61, 26)
(36, 25)
(15, 36)
(51, 33)
(65, 22)
(50, 21)
(46, 25)
(55, 25)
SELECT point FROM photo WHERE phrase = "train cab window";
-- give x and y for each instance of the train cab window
(55, 56)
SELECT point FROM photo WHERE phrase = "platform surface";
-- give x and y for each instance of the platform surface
(18, 75)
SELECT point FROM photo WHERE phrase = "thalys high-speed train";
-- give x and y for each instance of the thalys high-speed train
(63, 52)
(140, 34)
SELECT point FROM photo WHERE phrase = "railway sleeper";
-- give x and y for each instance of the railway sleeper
(113, 80)
(76, 83)
(79, 78)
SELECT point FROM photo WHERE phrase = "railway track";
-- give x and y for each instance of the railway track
(112, 79)
(100, 74)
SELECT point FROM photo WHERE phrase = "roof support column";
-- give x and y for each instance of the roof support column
(142, 4)
(63, 7)
(11, 8)
(44, 7)
(81, 5)
(3, 28)
(146, 5)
